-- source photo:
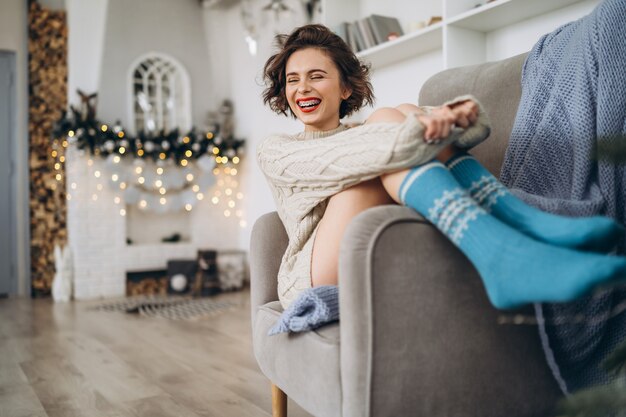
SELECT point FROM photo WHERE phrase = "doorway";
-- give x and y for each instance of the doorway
(8, 271)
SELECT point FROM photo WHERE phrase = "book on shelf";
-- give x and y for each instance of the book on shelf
(366, 32)
(350, 38)
(357, 36)
(384, 27)
(370, 31)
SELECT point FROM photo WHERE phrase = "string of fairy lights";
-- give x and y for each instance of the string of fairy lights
(161, 172)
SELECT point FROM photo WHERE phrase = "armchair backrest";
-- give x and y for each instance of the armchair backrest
(497, 85)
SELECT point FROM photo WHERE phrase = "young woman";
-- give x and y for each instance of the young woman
(324, 176)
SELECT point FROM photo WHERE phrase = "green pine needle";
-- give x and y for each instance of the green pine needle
(597, 401)
(615, 363)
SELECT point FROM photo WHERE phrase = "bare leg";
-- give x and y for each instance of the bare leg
(343, 206)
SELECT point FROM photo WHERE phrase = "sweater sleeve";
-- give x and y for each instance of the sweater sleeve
(476, 133)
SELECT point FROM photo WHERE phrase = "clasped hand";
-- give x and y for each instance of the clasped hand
(441, 120)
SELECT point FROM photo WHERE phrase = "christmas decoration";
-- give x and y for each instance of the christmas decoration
(601, 400)
(157, 170)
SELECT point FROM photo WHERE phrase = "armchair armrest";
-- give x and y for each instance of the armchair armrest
(418, 334)
(268, 243)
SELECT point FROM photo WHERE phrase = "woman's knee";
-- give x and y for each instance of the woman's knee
(386, 114)
(408, 108)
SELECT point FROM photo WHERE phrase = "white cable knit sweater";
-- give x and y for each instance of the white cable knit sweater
(304, 170)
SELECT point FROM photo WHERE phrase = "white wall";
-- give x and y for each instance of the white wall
(519, 38)
(401, 83)
(86, 22)
(134, 28)
(14, 37)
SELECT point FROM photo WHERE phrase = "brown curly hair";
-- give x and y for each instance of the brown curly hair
(354, 74)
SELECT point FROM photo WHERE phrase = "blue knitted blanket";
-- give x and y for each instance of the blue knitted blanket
(573, 105)
(313, 308)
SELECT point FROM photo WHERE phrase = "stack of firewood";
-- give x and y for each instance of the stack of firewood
(148, 286)
(47, 65)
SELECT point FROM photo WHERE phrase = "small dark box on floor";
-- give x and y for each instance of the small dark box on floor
(181, 274)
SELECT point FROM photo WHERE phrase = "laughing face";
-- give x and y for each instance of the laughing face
(314, 89)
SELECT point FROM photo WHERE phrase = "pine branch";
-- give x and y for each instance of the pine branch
(597, 401)
(615, 363)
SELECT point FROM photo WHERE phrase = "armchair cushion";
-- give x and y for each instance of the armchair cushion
(304, 365)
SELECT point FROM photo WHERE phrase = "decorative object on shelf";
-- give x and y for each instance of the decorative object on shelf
(207, 280)
(416, 25)
(433, 20)
(157, 170)
(232, 269)
(181, 273)
(64, 276)
(175, 237)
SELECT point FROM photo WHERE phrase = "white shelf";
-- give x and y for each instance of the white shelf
(406, 46)
(461, 35)
(502, 13)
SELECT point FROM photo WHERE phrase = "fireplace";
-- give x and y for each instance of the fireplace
(99, 231)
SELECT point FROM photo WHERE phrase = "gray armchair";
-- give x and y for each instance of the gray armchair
(417, 335)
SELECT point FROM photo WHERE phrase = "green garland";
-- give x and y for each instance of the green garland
(100, 139)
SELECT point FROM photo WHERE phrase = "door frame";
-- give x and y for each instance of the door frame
(13, 279)
(19, 156)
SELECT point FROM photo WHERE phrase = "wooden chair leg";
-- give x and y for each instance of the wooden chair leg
(279, 402)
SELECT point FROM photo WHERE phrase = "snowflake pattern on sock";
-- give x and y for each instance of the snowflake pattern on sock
(452, 213)
(486, 191)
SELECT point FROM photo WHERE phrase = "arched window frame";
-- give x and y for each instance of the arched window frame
(182, 110)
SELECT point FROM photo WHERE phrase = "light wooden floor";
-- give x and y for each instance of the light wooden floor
(65, 360)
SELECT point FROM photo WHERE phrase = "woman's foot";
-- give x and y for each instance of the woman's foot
(515, 268)
(596, 233)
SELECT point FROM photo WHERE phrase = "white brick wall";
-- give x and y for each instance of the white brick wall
(97, 234)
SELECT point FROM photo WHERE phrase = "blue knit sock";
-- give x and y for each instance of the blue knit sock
(596, 233)
(515, 268)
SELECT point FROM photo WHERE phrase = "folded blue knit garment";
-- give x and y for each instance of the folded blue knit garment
(313, 308)
(573, 105)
